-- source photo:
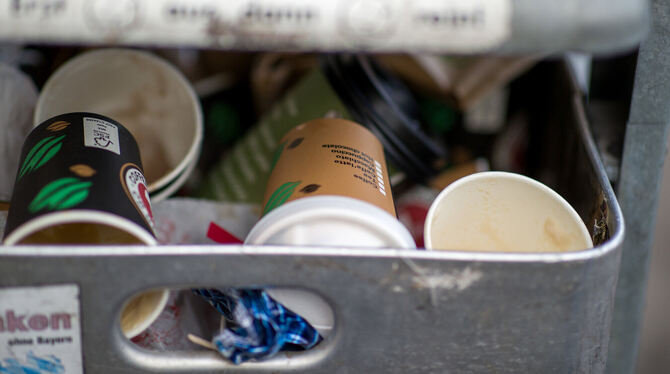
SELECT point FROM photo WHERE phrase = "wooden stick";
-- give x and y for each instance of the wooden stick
(201, 342)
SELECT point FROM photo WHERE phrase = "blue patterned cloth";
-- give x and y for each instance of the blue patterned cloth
(257, 326)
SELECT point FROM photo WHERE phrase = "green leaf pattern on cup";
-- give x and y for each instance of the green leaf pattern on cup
(60, 194)
(280, 196)
(39, 154)
(276, 155)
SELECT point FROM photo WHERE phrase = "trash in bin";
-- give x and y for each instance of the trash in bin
(80, 181)
(144, 93)
(503, 212)
(349, 87)
(256, 326)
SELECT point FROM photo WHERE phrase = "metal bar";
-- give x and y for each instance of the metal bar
(638, 189)
(438, 26)
(395, 311)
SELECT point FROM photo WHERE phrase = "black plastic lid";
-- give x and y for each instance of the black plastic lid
(381, 102)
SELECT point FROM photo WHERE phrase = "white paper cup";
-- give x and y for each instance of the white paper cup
(503, 212)
(326, 221)
(334, 221)
(145, 94)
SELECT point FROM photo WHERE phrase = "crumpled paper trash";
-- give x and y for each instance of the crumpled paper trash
(186, 220)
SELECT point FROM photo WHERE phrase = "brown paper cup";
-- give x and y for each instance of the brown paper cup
(328, 187)
(329, 157)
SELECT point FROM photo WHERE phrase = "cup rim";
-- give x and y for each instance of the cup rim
(309, 208)
(500, 175)
(170, 187)
(78, 215)
(140, 327)
(89, 216)
(196, 145)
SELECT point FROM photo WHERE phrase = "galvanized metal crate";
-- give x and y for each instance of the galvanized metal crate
(396, 311)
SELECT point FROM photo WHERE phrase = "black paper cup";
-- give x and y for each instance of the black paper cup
(80, 181)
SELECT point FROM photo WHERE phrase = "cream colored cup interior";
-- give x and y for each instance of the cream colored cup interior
(90, 227)
(503, 212)
(143, 93)
(141, 310)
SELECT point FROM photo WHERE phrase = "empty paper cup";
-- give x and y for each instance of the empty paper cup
(328, 187)
(503, 212)
(79, 181)
(146, 95)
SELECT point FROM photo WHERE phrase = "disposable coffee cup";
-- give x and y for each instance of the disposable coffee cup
(349, 87)
(328, 187)
(79, 181)
(503, 212)
(143, 92)
(242, 174)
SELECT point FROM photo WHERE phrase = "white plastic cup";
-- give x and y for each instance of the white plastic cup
(145, 94)
(503, 212)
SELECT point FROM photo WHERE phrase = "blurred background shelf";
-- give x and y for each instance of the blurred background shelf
(438, 26)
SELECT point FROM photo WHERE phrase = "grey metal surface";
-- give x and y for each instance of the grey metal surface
(391, 25)
(395, 311)
(638, 188)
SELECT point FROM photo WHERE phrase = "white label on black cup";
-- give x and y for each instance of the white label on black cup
(101, 134)
(40, 330)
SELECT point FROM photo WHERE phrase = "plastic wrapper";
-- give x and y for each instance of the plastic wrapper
(256, 326)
